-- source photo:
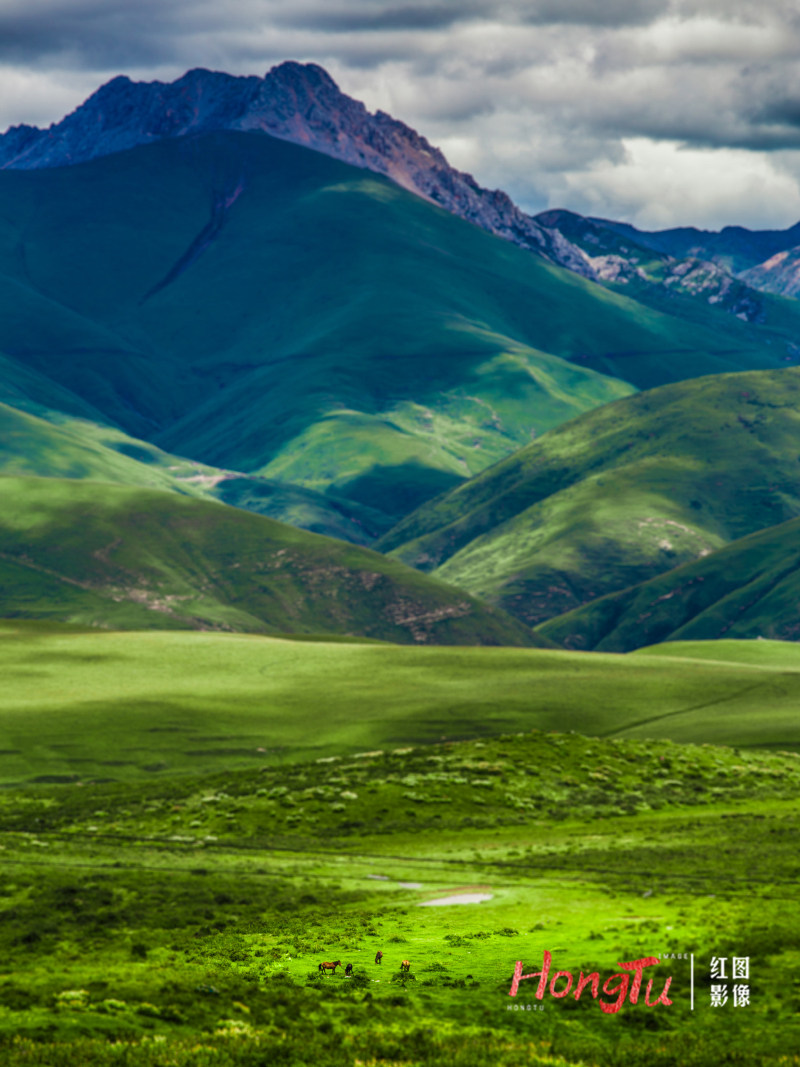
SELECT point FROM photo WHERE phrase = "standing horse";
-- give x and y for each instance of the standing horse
(323, 967)
(405, 966)
(378, 956)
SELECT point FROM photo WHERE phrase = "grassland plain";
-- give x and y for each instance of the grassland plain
(617, 496)
(181, 921)
(139, 705)
(243, 280)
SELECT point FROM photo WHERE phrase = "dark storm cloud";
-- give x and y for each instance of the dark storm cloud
(783, 113)
(89, 34)
(368, 15)
(613, 13)
(362, 17)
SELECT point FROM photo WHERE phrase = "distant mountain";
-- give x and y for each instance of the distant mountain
(779, 274)
(262, 308)
(734, 247)
(617, 496)
(132, 558)
(689, 273)
(658, 271)
(295, 102)
(301, 103)
(253, 292)
(748, 589)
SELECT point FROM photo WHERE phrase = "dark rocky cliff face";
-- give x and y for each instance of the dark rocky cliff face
(295, 102)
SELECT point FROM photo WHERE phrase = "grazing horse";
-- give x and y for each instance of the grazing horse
(405, 966)
(378, 956)
(348, 971)
(323, 967)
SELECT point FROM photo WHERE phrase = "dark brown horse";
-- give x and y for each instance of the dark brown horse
(323, 967)
(378, 956)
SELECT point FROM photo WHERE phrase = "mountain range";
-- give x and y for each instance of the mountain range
(295, 102)
(731, 269)
(253, 292)
(301, 103)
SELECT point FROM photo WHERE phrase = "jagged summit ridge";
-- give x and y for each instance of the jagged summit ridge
(297, 102)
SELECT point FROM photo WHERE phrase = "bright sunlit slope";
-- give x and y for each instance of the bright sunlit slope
(183, 701)
(771, 655)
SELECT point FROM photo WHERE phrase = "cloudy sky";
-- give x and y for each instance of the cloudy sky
(659, 112)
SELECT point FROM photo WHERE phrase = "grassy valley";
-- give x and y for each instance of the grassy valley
(51, 444)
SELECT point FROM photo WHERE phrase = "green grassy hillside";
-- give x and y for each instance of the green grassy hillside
(136, 704)
(51, 444)
(618, 495)
(261, 307)
(749, 589)
(93, 553)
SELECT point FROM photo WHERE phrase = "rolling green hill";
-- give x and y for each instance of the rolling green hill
(51, 444)
(204, 701)
(617, 496)
(105, 555)
(261, 307)
(750, 588)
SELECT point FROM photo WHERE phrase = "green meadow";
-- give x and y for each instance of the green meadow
(182, 921)
(190, 823)
(85, 703)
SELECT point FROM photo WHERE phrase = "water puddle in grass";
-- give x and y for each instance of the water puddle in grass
(458, 898)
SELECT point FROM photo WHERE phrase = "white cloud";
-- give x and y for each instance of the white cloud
(659, 183)
(38, 98)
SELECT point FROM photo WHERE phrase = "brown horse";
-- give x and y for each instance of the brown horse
(405, 966)
(378, 956)
(323, 967)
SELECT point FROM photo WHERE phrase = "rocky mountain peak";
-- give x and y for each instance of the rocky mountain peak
(309, 75)
(297, 102)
